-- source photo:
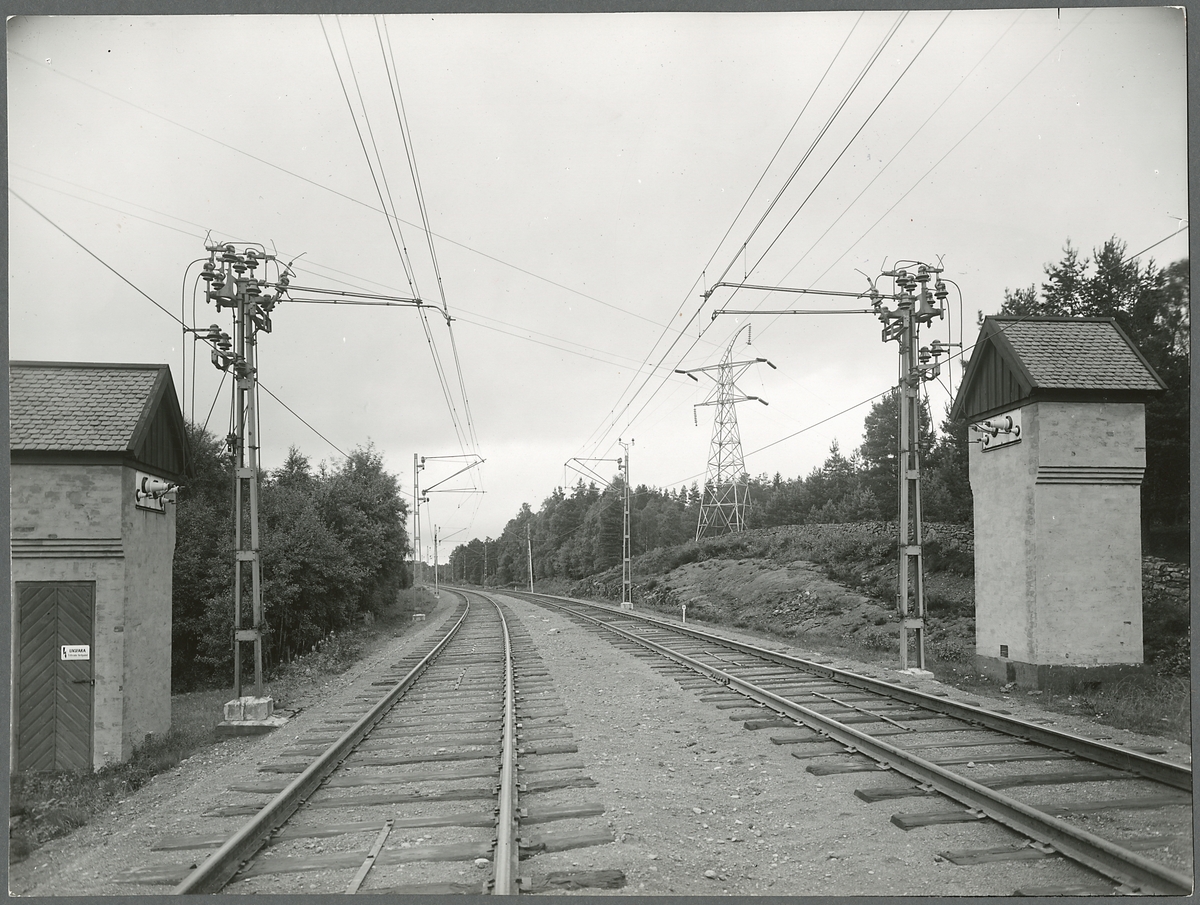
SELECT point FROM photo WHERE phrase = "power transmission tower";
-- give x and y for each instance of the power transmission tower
(915, 305)
(723, 503)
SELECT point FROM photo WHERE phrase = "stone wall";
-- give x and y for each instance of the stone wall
(948, 536)
(1162, 579)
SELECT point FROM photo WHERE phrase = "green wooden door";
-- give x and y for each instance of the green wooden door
(54, 689)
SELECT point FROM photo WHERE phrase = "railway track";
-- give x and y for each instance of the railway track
(460, 766)
(684, 799)
(1124, 814)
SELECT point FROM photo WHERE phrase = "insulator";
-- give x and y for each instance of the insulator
(939, 291)
(229, 255)
(251, 258)
(252, 287)
(936, 348)
(923, 354)
(208, 274)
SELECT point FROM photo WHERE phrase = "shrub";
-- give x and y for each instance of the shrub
(878, 639)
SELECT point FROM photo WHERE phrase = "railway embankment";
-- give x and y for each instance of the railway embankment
(832, 587)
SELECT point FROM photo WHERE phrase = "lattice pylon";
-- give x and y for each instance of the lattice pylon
(726, 484)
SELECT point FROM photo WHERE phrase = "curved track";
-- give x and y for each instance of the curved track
(425, 792)
(978, 758)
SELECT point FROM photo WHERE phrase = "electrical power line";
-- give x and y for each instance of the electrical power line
(771, 205)
(159, 306)
(326, 188)
(401, 249)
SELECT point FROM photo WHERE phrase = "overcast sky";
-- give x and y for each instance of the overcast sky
(585, 178)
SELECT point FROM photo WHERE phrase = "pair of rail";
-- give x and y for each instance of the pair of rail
(1130, 870)
(219, 868)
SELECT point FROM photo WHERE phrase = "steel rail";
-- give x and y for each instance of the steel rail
(220, 867)
(1131, 870)
(505, 866)
(1175, 775)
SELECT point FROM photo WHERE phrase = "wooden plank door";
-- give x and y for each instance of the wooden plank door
(54, 692)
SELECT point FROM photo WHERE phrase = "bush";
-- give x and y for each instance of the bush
(878, 639)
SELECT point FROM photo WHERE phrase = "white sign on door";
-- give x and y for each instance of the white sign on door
(76, 652)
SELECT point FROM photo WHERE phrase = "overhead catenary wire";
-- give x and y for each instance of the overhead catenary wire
(159, 306)
(813, 145)
(406, 136)
(853, 137)
(464, 315)
(397, 239)
(738, 215)
(320, 185)
(917, 131)
(612, 425)
(921, 179)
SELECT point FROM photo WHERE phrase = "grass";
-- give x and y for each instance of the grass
(45, 806)
(1149, 703)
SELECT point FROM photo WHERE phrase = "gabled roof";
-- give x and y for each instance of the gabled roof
(129, 410)
(1022, 358)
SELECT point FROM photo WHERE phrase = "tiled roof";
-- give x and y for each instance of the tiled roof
(64, 406)
(1075, 353)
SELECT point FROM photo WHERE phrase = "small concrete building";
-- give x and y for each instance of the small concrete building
(1057, 408)
(94, 448)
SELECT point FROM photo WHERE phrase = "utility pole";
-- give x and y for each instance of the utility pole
(915, 305)
(723, 503)
(417, 500)
(529, 554)
(419, 463)
(436, 592)
(626, 560)
(485, 562)
(588, 472)
(232, 283)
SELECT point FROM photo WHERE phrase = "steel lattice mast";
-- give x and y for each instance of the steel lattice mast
(723, 503)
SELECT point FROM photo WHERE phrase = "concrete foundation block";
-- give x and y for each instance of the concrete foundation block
(1053, 677)
(249, 708)
(241, 728)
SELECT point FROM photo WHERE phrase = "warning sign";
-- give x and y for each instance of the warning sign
(76, 652)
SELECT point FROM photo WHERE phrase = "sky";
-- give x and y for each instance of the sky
(567, 187)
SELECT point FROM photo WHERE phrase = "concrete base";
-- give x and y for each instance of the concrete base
(1053, 677)
(240, 728)
(916, 673)
(249, 715)
(249, 708)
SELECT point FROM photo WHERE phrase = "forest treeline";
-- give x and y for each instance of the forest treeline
(576, 534)
(578, 531)
(333, 546)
